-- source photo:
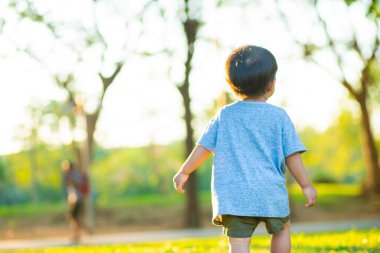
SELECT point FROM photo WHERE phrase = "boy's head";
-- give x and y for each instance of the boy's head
(249, 70)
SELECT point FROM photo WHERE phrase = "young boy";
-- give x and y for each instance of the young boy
(252, 142)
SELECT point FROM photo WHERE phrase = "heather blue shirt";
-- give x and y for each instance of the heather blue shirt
(250, 141)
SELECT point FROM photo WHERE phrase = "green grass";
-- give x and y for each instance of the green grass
(154, 199)
(31, 209)
(327, 194)
(331, 189)
(342, 242)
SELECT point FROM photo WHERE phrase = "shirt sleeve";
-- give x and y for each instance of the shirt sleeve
(209, 135)
(291, 143)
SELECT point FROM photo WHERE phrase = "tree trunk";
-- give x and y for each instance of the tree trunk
(192, 207)
(372, 183)
(89, 207)
(192, 212)
(91, 120)
(87, 155)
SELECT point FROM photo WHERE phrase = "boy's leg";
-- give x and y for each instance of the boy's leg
(239, 245)
(281, 241)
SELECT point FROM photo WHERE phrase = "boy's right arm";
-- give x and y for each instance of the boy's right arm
(295, 165)
(195, 159)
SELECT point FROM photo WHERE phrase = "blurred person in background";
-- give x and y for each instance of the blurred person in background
(74, 183)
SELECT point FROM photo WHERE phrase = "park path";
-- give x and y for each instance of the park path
(151, 236)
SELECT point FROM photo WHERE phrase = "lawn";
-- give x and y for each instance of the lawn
(349, 241)
(328, 194)
(135, 212)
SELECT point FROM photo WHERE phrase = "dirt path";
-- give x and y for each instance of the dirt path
(150, 236)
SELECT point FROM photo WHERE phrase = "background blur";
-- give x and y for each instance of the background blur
(124, 89)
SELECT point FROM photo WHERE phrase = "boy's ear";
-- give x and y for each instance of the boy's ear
(272, 84)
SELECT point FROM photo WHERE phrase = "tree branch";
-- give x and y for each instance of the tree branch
(345, 83)
(98, 34)
(107, 81)
(354, 43)
(332, 45)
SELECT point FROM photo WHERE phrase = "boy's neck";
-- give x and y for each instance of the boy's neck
(262, 98)
(256, 99)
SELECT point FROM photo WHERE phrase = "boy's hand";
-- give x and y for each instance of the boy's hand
(179, 180)
(311, 195)
(196, 158)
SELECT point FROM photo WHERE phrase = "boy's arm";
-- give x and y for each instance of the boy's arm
(295, 165)
(195, 159)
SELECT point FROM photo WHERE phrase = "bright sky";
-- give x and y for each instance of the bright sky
(143, 106)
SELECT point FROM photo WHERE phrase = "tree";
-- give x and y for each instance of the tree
(188, 15)
(190, 27)
(88, 44)
(357, 51)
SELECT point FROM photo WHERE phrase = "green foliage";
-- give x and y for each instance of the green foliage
(27, 10)
(309, 50)
(7, 187)
(350, 1)
(145, 170)
(374, 81)
(348, 241)
(3, 172)
(116, 173)
(47, 174)
(135, 170)
(335, 155)
(374, 9)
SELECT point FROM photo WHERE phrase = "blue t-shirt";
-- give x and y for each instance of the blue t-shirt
(250, 141)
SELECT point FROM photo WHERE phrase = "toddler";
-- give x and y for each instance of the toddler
(252, 142)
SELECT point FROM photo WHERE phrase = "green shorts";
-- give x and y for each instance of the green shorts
(243, 226)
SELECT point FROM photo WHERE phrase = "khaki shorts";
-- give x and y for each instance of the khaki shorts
(243, 227)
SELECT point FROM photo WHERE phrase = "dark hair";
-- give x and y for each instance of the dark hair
(249, 70)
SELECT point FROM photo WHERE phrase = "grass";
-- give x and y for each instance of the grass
(139, 211)
(325, 190)
(31, 210)
(340, 242)
(327, 194)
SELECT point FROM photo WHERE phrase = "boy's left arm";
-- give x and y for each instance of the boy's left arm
(195, 159)
(295, 165)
